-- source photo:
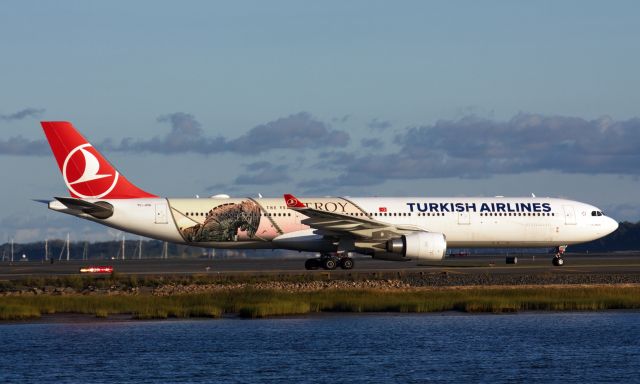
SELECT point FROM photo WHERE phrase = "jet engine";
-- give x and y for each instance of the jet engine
(422, 246)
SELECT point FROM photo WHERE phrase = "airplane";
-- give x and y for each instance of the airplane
(417, 229)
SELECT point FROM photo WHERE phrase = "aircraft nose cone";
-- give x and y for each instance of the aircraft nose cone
(611, 225)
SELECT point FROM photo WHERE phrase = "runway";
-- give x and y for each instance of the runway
(539, 264)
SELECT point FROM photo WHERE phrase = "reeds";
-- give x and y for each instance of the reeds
(254, 303)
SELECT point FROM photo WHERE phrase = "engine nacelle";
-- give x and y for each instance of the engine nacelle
(422, 246)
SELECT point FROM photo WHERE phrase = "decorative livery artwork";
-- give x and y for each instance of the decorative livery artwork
(246, 220)
(224, 222)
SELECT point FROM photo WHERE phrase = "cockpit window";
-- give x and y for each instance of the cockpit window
(597, 213)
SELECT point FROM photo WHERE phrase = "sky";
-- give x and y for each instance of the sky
(341, 98)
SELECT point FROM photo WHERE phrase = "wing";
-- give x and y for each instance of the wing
(359, 228)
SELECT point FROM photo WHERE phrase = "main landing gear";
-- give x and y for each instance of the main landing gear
(558, 261)
(329, 262)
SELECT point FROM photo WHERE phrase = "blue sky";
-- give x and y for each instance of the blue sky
(351, 98)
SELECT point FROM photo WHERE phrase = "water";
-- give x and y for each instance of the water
(381, 348)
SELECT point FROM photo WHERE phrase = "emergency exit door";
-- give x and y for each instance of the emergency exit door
(161, 213)
(569, 215)
(463, 218)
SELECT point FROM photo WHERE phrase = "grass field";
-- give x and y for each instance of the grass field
(256, 303)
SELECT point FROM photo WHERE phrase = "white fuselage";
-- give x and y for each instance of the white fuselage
(466, 222)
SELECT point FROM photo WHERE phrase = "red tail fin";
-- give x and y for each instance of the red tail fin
(85, 171)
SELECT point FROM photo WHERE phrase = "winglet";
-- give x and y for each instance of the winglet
(293, 202)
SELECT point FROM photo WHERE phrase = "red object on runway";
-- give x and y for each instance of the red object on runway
(97, 269)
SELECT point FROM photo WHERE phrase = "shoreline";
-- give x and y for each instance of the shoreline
(76, 318)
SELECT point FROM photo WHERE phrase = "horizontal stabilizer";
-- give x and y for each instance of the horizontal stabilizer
(99, 210)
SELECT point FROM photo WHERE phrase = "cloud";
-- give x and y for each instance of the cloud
(186, 135)
(27, 112)
(379, 125)
(263, 173)
(372, 143)
(472, 147)
(19, 146)
(298, 131)
(342, 119)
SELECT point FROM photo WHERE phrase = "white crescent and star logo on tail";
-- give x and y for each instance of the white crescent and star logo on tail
(87, 183)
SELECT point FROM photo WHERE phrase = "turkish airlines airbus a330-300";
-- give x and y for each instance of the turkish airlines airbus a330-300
(394, 228)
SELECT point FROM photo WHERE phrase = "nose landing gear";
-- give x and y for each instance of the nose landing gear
(558, 261)
(329, 262)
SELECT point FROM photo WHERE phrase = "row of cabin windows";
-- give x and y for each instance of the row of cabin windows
(262, 214)
(519, 214)
(442, 214)
(376, 214)
(379, 214)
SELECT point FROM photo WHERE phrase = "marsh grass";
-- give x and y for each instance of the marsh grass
(277, 308)
(255, 303)
(18, 312)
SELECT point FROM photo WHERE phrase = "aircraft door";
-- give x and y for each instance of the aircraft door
(569, 215)
(161, 213)
(463, 218)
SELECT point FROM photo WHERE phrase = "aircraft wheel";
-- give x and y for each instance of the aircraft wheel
(558, 261)
(329, 263)
(312, 264)
(346, 263)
